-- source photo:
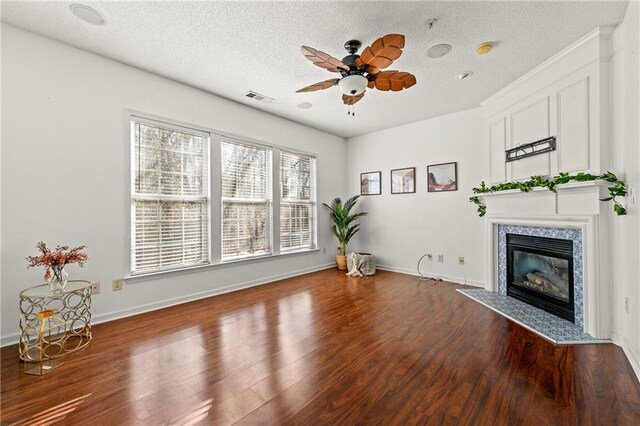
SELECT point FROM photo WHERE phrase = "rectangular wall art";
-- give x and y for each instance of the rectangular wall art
(442, 177)
(370, 183)
(403, 181)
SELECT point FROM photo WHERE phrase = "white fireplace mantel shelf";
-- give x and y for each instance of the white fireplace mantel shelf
(561, 187)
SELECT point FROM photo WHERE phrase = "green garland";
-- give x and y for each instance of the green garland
(618, 189)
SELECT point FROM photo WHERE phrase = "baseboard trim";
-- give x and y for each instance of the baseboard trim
(457, 280)
(115, 315)
(624, 343)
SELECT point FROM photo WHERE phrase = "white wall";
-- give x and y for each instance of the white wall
(63, 171)
(402, 227)
(625, 238)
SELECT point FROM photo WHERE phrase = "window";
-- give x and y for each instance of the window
(246, 200)
(189, 210)
(169, 197)
(297, 201)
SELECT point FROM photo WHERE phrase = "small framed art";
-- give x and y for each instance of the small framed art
(403, 181)
(442, 177)
(370, 183)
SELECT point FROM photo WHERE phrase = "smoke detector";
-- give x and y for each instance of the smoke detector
(484, 48)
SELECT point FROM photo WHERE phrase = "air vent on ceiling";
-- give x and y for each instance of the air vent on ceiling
(258, 97)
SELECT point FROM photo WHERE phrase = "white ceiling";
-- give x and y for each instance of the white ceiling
(228, 48)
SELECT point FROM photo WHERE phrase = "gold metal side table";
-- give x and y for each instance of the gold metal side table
(72, 305)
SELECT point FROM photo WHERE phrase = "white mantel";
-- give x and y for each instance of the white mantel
(572, 206)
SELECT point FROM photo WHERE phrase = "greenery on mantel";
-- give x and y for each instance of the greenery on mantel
(617, 189)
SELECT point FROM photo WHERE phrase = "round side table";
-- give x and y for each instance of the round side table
(72, 305)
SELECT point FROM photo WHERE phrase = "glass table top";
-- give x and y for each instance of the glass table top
(45, 291)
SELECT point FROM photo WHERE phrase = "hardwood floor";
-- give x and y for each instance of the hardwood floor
(326, 348)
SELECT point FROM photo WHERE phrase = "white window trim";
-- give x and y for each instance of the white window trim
(215, 197)
(146, 119)
(313, 202)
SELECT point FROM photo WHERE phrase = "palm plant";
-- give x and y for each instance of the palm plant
(344, 227)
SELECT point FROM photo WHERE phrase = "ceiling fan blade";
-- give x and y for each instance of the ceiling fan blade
(393, 80)
(319, 86)
(380, 62)
(382, 52)
(366, 56)
(396, 40)
(323, 60)
(350, 100)
(372, 70)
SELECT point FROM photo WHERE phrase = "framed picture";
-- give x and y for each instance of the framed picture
(403, 181)
(370, 183)
(442, 177)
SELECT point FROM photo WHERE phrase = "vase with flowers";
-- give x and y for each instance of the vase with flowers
(55, 261)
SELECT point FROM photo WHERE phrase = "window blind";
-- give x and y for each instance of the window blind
(297, 201)
(170, 197)
(246, 200)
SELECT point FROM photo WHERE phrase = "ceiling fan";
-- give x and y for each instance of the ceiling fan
(362, 71)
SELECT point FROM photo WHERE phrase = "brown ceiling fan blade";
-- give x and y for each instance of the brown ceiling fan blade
(350, 100)
(323, 60)
(371, 84)
(383, 51)
(394, 80)
(380, 62)
(409, 80)
(396, 40)
(319, 86)
(377, 46)
(372, 70)
(383, 84)
(396, 85)
(390, 52)
(367, 55)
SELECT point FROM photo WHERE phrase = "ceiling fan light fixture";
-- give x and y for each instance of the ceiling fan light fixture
(353, 85)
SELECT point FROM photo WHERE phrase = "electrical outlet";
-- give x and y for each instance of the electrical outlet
(461, 260)
(441, 258)
(117, 285)
(626, 305)
(429, 257)
(95, 288)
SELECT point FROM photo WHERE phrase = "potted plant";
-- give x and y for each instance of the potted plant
(344, 226)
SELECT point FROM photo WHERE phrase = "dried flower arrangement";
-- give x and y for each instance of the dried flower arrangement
(55, 261)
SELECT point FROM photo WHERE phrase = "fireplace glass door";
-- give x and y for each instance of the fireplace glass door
(540, 272)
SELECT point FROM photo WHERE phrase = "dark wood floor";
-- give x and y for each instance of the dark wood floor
(325, 348)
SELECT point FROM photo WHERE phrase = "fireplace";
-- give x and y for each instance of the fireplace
(540, 273)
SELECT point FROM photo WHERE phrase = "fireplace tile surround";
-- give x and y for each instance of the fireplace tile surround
(572, 234)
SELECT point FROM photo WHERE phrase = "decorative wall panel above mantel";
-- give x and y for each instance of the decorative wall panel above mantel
(566, 97)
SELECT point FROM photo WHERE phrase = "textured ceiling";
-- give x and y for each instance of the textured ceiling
(229, 48)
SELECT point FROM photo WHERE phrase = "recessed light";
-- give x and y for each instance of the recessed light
(464, 75)
(438, 51)
(305, 105)
(88, 14)
(484, 48)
